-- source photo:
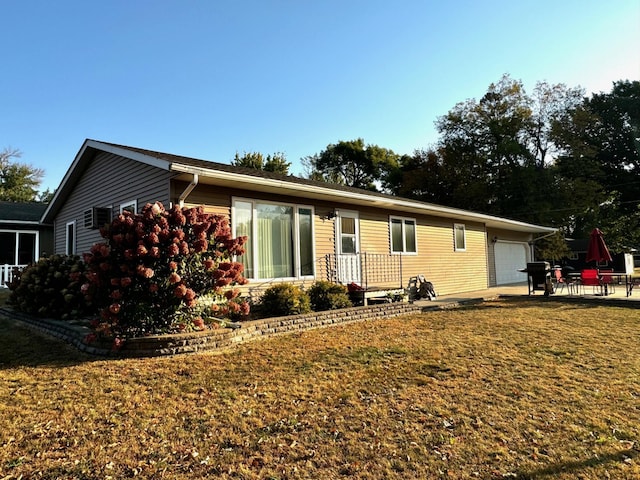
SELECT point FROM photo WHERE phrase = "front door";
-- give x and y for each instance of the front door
(348, 247)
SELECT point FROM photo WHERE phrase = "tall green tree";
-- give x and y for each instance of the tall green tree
(354, 164)
(19, 182)
(494, 154)
(599, 162)
(276, 163)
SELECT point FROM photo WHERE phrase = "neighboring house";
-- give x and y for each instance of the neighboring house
(577, 259)
(299, 230)
(23, 238)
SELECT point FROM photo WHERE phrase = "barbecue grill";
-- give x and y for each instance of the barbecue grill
(539, 277)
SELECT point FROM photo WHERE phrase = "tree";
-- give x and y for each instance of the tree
(354, 164)
(494, 154)
(599, 162)
(276, 163)
(553, 247)
(19, 182)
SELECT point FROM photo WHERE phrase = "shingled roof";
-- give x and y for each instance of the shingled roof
(21, 212)
(256, 180)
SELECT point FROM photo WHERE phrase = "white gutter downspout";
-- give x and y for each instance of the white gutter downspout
(532, 243)
(188, 190)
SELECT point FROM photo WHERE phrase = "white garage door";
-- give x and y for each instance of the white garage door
(510, 257)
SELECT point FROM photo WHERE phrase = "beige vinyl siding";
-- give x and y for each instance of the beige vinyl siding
(214, 199)
(108, 181)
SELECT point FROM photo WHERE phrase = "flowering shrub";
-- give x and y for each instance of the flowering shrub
(149, 275)
(50, 287)
(284, 299)
(328, 296)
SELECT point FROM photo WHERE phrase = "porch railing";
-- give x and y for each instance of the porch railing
(366, 269)
(6, 273)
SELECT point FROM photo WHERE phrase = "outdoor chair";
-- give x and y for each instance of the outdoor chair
(607, 279)
(560, 281)
(590, 278)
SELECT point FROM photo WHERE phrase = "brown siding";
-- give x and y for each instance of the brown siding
(108, 181)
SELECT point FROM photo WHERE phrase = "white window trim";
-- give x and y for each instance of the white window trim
(296, 222)
(455, 240)
(131, 203)
(338, 230)
(17, 252)
(404, 235)
(66, 238)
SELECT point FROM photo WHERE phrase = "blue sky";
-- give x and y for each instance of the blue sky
(207, 78)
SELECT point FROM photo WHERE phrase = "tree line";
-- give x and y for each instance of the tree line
(551, 156)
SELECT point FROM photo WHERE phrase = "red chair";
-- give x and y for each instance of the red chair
(607, 280)
(590, 278)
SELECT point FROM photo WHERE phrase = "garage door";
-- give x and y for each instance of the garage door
(510, 257)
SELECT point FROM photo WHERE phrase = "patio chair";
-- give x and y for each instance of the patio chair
(560, 281)
(590, 278)
(607, 280)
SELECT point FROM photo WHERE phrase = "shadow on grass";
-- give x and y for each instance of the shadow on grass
(21, 346)
(556, 302)
(575, 466)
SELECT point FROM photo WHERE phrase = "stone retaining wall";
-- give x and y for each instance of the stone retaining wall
(222, 338)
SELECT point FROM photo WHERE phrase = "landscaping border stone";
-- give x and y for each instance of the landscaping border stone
(219, 339)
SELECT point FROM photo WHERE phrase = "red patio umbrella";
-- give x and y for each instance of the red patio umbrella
(597, 250)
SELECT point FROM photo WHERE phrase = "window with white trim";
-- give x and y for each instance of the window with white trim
(403, 234)
(131, 206)
(18, 247)
(70, 238)
(280, 238)
(459, 237)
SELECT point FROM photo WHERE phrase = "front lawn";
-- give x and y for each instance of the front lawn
(520, 388)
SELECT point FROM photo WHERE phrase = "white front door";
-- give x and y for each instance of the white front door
(348, 247)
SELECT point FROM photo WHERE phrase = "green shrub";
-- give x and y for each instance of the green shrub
(51, 287)
(284, 299)
(328, 296)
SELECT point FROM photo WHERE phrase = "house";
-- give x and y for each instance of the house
(299, 230)
(23, 238)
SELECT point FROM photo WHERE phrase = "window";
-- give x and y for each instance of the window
(18, 247)
(70, 241)
(280, 239)
(403, 235)
(131, 206)
(459, 238)
(348, 233)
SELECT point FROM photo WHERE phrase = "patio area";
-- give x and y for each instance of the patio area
(521, 289)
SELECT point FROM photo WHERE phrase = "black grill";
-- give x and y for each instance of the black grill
(539, 277)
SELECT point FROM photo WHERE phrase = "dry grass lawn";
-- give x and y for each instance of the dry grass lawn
(518, 388)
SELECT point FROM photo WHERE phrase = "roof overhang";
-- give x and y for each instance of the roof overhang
(294, 187)
(315, 192)
(79, 164)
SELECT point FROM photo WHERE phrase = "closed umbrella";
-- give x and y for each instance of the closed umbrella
(597, 250)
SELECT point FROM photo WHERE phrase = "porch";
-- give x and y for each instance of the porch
(6, 273)
(369, 276)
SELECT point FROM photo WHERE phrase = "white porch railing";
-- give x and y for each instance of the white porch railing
(6, 273)
(365, 269)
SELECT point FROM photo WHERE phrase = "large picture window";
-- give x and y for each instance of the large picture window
(280, 239)
(18, 248)
(403, 235)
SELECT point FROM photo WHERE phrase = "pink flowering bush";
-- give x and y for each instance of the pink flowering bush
(150, 274)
